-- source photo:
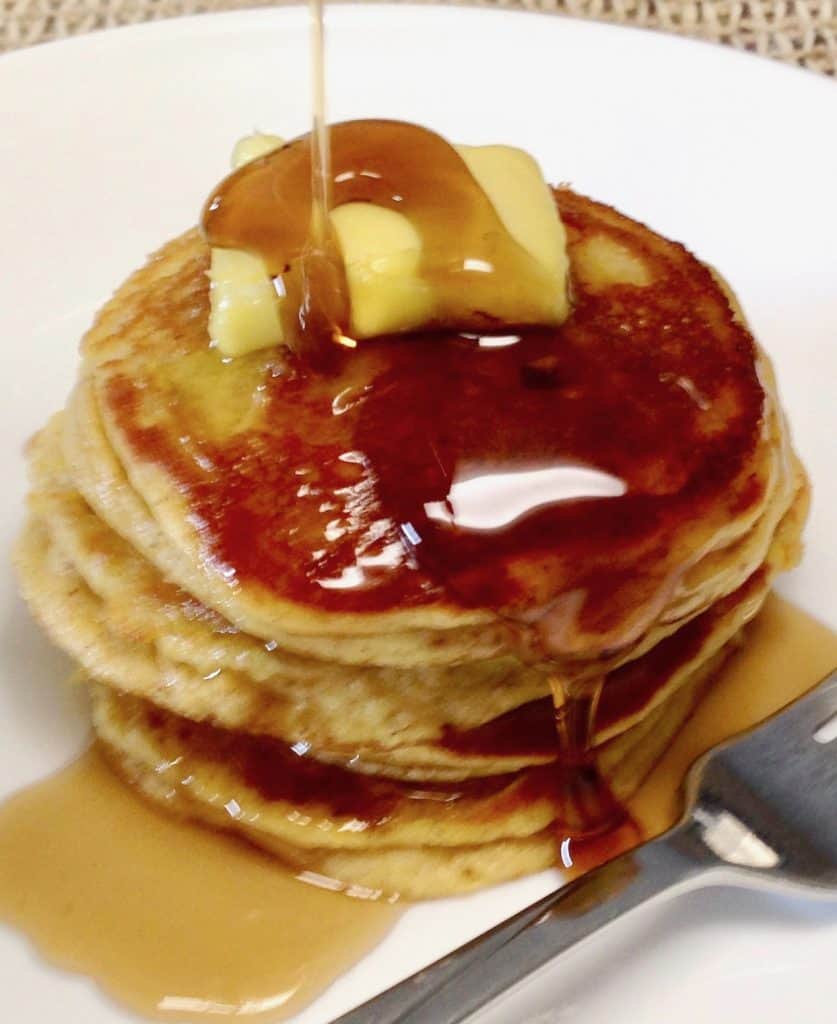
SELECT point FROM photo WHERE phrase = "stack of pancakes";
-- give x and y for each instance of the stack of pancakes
(267, 653)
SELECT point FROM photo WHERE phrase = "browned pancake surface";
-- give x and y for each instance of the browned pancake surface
(319, 490)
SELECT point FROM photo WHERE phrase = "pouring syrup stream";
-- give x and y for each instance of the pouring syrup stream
(323, 302)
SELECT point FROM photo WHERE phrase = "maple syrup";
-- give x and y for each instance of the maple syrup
(173, 921)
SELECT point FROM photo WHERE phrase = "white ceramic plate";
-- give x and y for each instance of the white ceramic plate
(109, 144)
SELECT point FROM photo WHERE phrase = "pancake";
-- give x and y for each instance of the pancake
(393, 840)
(359, 719)
(102, 481)
(295, 623)
(225, 505)
(155, 640)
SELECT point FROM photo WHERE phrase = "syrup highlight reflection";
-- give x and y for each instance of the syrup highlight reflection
(481, 499)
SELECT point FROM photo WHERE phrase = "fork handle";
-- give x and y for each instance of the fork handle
(453, 988)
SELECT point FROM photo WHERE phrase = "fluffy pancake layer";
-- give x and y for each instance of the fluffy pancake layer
(402, 743)
(259, 507)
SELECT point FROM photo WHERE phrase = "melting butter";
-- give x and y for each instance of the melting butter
(514, 184)
(382, 255)
(244, 305)
(381, 252)
(251, 147)
(244, 313)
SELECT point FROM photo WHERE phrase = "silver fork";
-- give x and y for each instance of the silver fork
(761, 812)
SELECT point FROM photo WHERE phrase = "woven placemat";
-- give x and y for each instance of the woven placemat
(798, 31)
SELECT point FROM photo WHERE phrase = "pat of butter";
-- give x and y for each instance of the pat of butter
(243, 304)
(382, 251)
(381, 254)
(251, 147)
(514, 184)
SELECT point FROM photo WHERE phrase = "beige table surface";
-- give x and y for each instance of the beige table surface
(798, 31)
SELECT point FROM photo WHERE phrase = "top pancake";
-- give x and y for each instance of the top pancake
(280, 496)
